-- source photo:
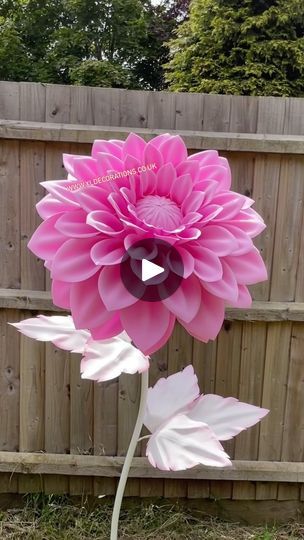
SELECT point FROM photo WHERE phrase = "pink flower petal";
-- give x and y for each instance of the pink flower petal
(119, 203)
(181, 188)
(174, 150)
(73, 224)
(192, 233)
(216, 172)
(225, 416)
(152, 155)
(132, 162)
(147, 182)
(185, 301)
(61, 294)
(87, 308)
(182, 443)
(226, 287)
(231, 203)
(248, 221)
(46, 240)
(85, 168)
(165, 337)
(209, 319)
(134, 146)
(60, 191)
(248, 269)
(73, 262)
(244, 299)
(244, 242)
(109, 329)
(49, 206)
(181, 388)
(178, 256)
(68, 162)
(93, 198)
(165, 178)
(106, 147)
(112, 290)
(206, 157)
(108, 251)
(159, 139)
(218, 239)
(209, 213)
(105, 222)
(108, 162)
(207, 265)
(193, 202)
(146, 323)
(188, 167)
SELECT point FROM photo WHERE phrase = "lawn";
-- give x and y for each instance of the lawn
(54, 518)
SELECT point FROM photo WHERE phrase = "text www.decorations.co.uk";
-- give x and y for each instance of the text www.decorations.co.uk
(110, 177)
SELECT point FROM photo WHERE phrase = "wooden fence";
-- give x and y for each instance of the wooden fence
(53, 426)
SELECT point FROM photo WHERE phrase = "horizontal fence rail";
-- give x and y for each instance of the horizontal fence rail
(110, 467)
(196, 140)
(259, 311)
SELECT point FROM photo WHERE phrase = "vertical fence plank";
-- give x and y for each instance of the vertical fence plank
(271, 115)
(57, 364)
(293, 430)
(204, 364)
(32, 102)
(10, 214)
(32, 171)
(294, 117)
(133, 109)
(161, 110)
(58, 103)
(81, 109)
(57, 412)
(9, 100)
(216, 113)
(265, 194)
(243, 114)
(106, 106)
(189, 111)
(128, 403)
(227, 384)
(273, 398)
(81, 423)
(250, 391)
(287, 243)
(179, 356)
(9, 392)
(158, 369)
(105, 430)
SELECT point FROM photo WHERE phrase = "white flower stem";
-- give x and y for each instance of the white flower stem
(130, 455)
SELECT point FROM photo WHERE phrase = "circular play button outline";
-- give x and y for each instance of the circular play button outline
(160, 253)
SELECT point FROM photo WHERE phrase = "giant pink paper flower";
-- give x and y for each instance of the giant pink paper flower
(187, 427)
(185, 200)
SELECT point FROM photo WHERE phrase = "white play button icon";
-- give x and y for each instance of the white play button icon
(149, 270)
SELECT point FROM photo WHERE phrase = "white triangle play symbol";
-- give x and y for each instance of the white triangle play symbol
(150, 270)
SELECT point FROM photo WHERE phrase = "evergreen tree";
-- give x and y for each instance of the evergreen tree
(248, 47)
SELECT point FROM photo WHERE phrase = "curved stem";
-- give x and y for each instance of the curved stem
(130, 454)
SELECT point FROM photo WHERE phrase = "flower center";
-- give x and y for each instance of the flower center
(159, 211)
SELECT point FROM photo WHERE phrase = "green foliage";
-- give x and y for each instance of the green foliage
(99, 73)
(116, 43)
(249, 47)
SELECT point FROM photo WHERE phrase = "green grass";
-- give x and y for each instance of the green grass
(54, 518)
